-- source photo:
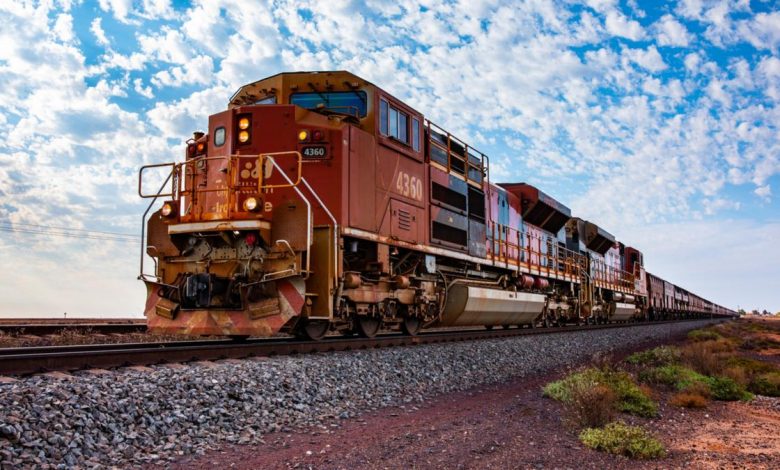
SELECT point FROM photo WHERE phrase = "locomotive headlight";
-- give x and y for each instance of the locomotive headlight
(243, 137)
(243, 123)
(251, 204)
(303, 135)
(167, 209)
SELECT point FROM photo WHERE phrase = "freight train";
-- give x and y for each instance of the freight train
(317, 202)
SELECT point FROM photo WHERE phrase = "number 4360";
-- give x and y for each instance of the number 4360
(409, 186)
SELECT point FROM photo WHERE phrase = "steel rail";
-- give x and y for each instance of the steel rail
(24, 361)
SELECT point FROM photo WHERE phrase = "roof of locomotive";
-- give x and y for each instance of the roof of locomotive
(282, 83)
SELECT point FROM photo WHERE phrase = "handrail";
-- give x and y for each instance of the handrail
(503, 249)
(261, 170)
(141, 177)
(446, 145)
(143, 221)
(335, 226)
(308, 210)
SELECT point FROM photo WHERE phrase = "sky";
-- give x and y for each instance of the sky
(657, 120)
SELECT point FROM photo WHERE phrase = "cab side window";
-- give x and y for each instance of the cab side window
(397, 124)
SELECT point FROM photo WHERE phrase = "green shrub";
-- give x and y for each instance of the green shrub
(703, 335)
(683, 378)
(662, 355)
(630, 398)
(675, 376)
(766, 384)
(561, 390)
(726, 389)
(621, 439)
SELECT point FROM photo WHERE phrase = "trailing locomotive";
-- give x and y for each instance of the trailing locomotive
(318, 202)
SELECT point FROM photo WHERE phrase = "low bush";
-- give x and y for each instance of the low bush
(561, 390)
(621, 439)
(687, 399)
(699, 388)
(726, 389)
(767, 384)
(662, 355)
(703, 335)
(737, 374)
(678, 377)
(751, 366)
(704, 357)
(629, 397)
(590, 405)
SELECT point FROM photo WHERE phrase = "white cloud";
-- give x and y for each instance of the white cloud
(167, 46)
(97, 29)
(63, 27)
(180, 118)
(198, 71)
(619, 25)
(649, 59)
(139, 88)
(157, 9)
(716, 91)
(121, 8)
(762, 31)
(670, 32)
(764, 192)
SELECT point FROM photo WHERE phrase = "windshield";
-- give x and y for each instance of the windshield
(348, 102)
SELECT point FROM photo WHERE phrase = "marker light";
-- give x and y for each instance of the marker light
(316, 135)
(303, 135)
(251, 204)
(167, 209)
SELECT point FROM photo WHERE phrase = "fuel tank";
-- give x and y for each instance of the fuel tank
(622, 311)
(471, 305)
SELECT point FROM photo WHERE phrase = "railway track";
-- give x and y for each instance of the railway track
(31, 360)
(58, 326)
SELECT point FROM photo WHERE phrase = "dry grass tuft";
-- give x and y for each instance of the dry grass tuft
(591, 405)
(689, 400)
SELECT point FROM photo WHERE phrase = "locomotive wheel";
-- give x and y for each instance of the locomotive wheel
(314, 330)
(366, 326)
(410, 326)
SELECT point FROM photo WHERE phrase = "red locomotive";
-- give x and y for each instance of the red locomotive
(318, 202)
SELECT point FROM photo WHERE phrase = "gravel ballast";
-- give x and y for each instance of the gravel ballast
(135, 417)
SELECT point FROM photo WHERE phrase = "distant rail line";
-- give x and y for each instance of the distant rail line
(31, 360)
(53, 326)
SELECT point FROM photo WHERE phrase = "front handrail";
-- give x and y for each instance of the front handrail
(335, 227)
(176, 172)
(308, 211)
(261, 171)
(143, 223)
(173, 166)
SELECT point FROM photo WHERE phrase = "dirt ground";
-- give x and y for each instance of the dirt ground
(510, 426)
